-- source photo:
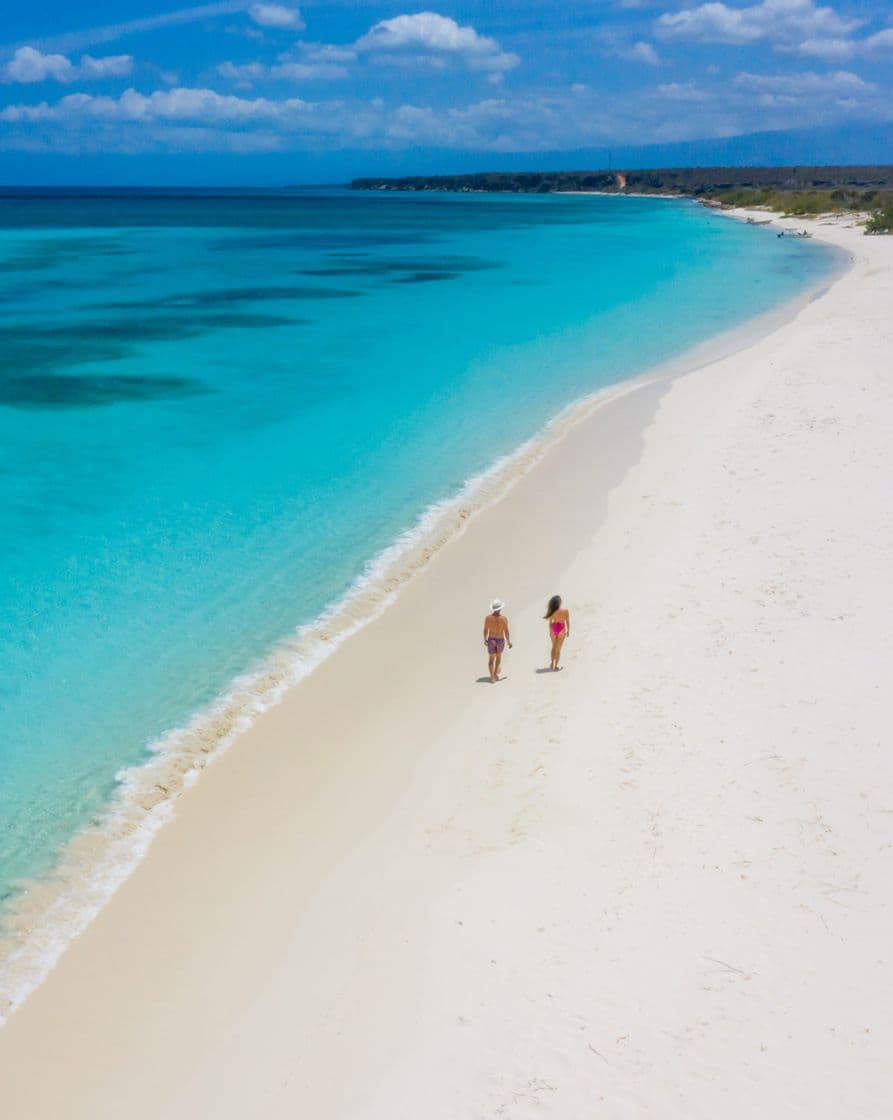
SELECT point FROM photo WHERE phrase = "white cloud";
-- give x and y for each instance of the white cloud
(136, 121)
(840, 50)
(112, 66)
(308, 71)
(780, 22)
(276, 15)
(76, 40)
(882, 41)
(808, 83)
(428, 30)
(432, 39)
(426, 39)
(250, 72)
(816, 94)
(29, 65)
(829, 50)
(616, 46)
(641, 52)
(326, 52)
(244, 74)
(800, 27)
(682, 91)
(570, 117)
(308, 62)
(182, 104)
(244, 32)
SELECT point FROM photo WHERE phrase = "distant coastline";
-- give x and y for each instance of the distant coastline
(803, 191)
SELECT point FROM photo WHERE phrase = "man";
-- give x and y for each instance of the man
(496, 634)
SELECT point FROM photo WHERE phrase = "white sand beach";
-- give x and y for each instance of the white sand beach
(656, 884)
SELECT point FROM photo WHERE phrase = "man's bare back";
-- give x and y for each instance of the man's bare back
(496, 626)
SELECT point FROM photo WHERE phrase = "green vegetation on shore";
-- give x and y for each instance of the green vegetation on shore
(799, 191)
(879, 204)
(881, 220)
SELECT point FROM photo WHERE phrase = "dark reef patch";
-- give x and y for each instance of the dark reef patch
(158, 328)
(423, 277)
(440, 267)
(62, 250)
(24, 353)
(46, 350)
(225, 297)
(49, 391)
(316, 241)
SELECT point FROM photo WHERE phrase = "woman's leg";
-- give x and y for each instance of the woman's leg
(559, 642)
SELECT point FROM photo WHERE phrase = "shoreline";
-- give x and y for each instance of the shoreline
(41, 922)
(92, 868)
(660, 879)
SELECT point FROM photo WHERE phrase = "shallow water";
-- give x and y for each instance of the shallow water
(215, 410)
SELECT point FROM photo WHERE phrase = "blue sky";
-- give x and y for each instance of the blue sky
(222, 84)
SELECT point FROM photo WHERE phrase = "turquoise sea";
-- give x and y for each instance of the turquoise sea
(217, 408)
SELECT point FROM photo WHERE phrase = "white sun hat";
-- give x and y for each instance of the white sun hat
(497, 605)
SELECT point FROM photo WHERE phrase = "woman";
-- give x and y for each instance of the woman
(559, 621)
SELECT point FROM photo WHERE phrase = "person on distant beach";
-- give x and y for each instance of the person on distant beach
(496, 634)
(559, 620)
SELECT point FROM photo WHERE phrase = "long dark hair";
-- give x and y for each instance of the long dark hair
(554, 604)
